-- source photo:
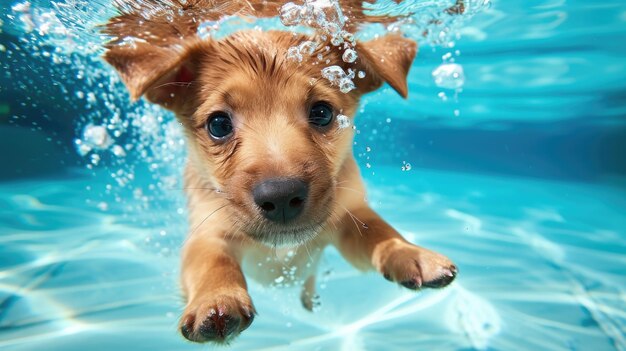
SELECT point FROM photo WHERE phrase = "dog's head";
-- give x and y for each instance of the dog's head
(265, 129)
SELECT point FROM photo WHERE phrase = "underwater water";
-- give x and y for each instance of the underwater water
(509, 157)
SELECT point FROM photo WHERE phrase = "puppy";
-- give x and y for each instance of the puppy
(270, 171)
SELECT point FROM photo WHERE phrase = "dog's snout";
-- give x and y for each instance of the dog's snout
(281, 199)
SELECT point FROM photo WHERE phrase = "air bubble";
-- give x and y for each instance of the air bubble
(293, 53)
(336, 40)
(94, 137)
(343, 121)
(346, 85)
(349, 56)
(91, 97)
(333, 74)
(337, 76)
(449, 76)
(290, 14)
(118, 151)
(95, 159)
(307, 47)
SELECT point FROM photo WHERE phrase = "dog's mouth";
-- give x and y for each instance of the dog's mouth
(286, 236)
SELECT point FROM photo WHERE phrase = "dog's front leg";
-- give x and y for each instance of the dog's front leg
(218, 305)
(367, 241)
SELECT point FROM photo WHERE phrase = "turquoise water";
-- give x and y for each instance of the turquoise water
(519, 179)
(540, 270)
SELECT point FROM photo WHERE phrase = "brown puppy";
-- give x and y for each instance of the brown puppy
(269, 164)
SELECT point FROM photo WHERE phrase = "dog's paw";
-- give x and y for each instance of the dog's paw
(217, 318)
(415, 267)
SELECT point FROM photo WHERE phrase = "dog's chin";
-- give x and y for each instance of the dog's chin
(286, 237)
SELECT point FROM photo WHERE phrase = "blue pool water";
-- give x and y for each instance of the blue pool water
(520, 179)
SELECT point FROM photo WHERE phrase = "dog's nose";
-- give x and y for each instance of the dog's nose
(281, 199)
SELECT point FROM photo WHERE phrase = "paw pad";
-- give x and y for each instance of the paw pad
(218, 325)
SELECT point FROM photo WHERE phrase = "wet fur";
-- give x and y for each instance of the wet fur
(269, 96)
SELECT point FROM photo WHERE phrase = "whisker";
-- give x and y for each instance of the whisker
(306, 248)
(335, 216)
(178, 84)
(205, 218)
(356, 191)
(354, 219)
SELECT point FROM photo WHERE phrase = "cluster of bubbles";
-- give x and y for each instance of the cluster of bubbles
(435, 23)
(324, 15)
(405, 166)
(304, 49)
(44, 22)
(438, 24)
(117, 139)
(328, 20)
(337, 76)
(449, 75)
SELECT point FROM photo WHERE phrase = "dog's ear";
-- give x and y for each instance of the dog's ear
(386, 59)
(163, 74)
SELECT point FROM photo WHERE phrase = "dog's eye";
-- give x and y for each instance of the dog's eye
(219, 125)
(321, 114)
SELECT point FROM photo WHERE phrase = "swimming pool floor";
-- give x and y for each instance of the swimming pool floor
(542, 267)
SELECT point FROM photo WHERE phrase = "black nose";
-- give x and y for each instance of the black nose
(281, 199)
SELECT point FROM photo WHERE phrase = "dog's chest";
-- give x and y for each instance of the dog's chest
(281, 266)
